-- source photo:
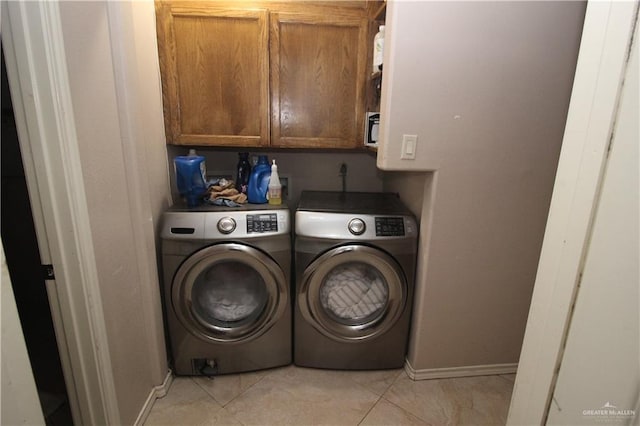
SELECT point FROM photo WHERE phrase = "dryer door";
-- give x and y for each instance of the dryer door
(229, 292)
(353, 293)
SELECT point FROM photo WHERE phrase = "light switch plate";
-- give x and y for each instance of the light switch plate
(409, 145)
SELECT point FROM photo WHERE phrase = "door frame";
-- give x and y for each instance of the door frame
(602, 62)
(38, 78)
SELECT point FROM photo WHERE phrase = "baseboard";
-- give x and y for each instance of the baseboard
(470, 370)
(157, 392)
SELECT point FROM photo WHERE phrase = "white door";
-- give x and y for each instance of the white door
(594, 207)
(599, 375)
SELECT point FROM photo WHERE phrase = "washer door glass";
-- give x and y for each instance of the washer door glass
(229, 292)
(353, 292)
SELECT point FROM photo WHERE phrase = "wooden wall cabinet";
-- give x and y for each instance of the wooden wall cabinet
(317, 80)
(215, 74)
(285, 75)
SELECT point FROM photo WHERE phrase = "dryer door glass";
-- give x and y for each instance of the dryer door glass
(229, 292)
(353, 292)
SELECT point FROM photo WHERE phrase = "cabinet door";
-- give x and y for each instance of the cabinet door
(214, 65)
(317, 80)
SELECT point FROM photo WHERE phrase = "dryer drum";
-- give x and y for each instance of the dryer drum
(353, 293)
(229, 293)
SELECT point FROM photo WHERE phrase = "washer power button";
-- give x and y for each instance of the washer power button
(226, 225)
(357, 226)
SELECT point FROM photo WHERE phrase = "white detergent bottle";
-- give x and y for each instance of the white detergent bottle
(378, 49)
(275, 188)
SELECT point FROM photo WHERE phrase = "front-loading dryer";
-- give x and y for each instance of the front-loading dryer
(227, 288)
(355, 256)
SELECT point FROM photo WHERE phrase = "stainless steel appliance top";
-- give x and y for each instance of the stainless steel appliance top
(182, 207)
(374, 203)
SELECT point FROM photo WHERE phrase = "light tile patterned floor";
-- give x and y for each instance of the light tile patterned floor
(302, 396)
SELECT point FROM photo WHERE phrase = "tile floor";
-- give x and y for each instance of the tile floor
(301, 396)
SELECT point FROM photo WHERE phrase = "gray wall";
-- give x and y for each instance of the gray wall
(486, 87)
(311, 170)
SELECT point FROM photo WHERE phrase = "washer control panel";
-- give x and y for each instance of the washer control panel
(389, 227)
(261, 223)
(226, 225)
(207, 225)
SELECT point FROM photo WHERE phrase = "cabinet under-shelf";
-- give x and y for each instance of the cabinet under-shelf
(380, 13)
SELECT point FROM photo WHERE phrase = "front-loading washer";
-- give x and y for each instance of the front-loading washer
(355, 257)
(227, 287)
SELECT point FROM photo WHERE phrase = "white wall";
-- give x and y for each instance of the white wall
(601, 361)
(149, 114)
(18, 396)
(115, 89)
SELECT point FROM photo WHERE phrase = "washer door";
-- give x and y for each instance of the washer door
(229, 292)
(353, 293)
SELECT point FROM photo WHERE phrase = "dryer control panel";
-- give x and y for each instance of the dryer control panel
(389, 227)
(353, 227)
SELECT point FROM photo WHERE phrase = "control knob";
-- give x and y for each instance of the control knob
(357, 226)
(226, 225)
